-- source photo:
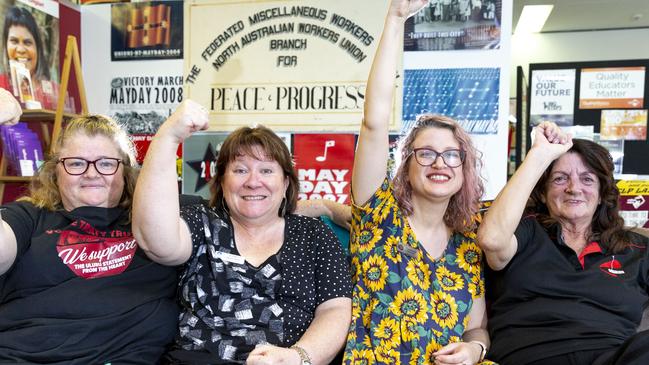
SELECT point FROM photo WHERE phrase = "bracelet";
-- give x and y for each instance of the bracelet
(304, 356)
(483, 347)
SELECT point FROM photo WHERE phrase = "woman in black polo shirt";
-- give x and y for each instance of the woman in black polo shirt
(570, 282)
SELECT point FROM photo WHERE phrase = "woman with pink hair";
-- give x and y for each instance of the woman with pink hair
(419, 288)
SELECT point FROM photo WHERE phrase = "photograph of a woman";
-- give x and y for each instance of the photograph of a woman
(30, 38)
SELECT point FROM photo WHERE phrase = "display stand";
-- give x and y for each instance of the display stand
(45, 117)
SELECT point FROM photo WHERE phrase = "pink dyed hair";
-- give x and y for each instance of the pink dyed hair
(465, 203)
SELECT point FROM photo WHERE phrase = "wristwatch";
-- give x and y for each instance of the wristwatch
(304, 356)
(483, 353)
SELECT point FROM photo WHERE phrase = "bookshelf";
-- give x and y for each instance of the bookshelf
(45, 120)
(50, 120)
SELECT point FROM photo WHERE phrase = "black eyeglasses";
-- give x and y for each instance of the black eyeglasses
(427, 157)
(78, 166)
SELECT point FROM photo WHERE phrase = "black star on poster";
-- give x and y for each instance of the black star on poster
(204, 167)
(199, 154)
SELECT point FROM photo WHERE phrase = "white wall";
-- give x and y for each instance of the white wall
(577, 47)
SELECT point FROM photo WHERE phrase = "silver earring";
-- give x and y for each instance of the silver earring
(282, 207)
(224, 205)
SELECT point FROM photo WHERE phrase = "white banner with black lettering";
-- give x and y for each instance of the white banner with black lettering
(299, 65)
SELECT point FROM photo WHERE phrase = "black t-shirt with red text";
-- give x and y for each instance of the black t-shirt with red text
(548, 301)
(81, 291)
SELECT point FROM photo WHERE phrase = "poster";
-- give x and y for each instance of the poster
(140, 94)
(491, 130)
(580, 131)
(634, 202)
(630, 125)
(468, 95)
(552, 94)
(99, 1)
(147, 30)
(199, 162)
(32, 46)
(324, 164)
(394, 158)
(143, 101)
(453, 25)
(286, 138)
(300, 65)
(616, 148)
(142, 142)
(613, 87)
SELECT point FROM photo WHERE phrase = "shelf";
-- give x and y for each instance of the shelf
(43, 115)
(18, 179)
(50, 120)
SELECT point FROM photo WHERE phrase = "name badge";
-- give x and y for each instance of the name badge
(228, 257)
(407, 250)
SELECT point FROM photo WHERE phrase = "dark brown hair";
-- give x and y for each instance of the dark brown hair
(607, 227)
(21, 17)
(243, 142)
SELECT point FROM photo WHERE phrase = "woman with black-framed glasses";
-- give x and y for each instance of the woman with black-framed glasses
(427, 156)
(74, 286)
(78, 165)
(419, 286)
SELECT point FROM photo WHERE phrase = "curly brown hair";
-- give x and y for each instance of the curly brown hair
(607, 227)
(44, 189)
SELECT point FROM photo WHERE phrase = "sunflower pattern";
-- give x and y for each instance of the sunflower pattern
(392, 250)
(406, 303)
(476, 287)
(444, 309)
(368, 238)
(449, 281)
(419, 273)
(469, 257)
(375, 271)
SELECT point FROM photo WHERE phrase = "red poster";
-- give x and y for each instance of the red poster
(324, 165)
(634, 202)
(142, 143)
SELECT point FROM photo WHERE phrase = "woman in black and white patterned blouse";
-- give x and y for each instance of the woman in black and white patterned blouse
(260, 284)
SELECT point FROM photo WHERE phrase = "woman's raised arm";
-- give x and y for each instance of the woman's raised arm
(157, 225)
(496, 233)
(371, 159)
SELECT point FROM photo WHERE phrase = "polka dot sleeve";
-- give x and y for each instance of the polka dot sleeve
(332, 275)
(195, 216)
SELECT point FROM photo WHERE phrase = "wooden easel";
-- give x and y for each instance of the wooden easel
(45, 116)
(71, 54)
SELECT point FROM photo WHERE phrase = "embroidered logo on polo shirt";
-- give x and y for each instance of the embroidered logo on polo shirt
(612, 267)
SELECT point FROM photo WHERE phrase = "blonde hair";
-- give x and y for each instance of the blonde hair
(44, 189)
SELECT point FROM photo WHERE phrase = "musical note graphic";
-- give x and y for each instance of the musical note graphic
(327, 145)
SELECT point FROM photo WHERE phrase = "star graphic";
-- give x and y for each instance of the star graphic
(202, 167)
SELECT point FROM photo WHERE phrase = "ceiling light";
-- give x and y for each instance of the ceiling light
(533, 18)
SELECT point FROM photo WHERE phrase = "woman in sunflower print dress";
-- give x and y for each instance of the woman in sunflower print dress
(418, 295)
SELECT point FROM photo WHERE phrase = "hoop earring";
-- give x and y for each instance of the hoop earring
(282, 207)
(224, 205)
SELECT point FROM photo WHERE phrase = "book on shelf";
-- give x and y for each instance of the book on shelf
(22, 149)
